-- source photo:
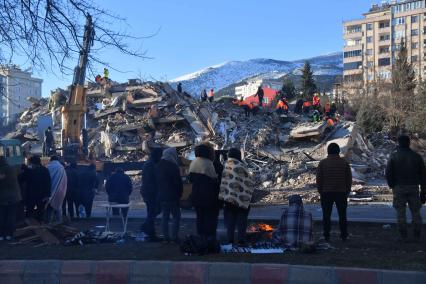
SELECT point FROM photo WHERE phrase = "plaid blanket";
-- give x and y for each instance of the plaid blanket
(295, 226)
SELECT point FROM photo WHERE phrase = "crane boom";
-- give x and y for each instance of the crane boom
(75, 108)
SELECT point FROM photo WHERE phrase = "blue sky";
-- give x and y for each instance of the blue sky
(194, 34)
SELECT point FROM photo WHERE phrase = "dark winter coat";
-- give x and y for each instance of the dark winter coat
(72, 180)
(169, 181)
(149, 184)
(86, 184)
(38, 184)
(406, 167)
(10, 192)
(205, 191)
(334, 175)
(119, 187)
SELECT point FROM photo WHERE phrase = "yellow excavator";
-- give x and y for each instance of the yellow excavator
(74, 137)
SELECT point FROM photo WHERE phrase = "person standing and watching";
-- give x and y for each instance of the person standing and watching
(10, 196)
(149, 192)
(405, 172)
(87, 184)
(170, 189)
(179, 88)
(260, 94)
(72, 200)
(334, 182)
(37, 179)
(205, 191)
(58, 189)
(236, 191)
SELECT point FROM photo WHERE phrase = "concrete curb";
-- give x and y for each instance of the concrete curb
(159, 272)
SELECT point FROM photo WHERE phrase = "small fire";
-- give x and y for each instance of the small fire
(260, 228)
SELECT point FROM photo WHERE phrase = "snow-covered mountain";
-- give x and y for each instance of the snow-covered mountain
(228, 73)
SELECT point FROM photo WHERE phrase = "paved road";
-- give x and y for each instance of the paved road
(380, 213)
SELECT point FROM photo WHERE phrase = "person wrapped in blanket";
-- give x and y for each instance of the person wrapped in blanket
(295, 227)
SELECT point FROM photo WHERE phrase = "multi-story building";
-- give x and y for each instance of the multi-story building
(15, 87)
(372, 43)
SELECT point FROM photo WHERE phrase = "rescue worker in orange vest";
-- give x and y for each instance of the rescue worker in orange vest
(260, 94)
(282, 106)
(249, 108)
(211, 96)
(307, 106)
(316, 101)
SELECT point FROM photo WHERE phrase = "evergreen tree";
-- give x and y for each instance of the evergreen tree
(308, 83)
(416, 120)
(401, 101)
(288, 89)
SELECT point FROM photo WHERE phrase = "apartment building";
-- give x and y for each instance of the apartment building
(16, 86)
(372, 43)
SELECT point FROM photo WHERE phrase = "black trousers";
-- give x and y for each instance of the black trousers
(35, 209)
(86, 199)
(152, 210)
(235, 217)
(8, 219)
(207, 219)
(327, 201)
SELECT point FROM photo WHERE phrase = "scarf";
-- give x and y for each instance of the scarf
(203, 166)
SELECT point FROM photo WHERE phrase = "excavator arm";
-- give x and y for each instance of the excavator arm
(73, 112)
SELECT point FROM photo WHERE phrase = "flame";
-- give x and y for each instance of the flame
(262, 227)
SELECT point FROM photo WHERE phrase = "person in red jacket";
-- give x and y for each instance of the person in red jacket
(316, 101)
(211, 96)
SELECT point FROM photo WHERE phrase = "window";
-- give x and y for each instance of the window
(385, 74)
(398, 21)
(353, 29)
(369, 39)
(352, 42)
(384, 61)
(369, 52)
(352, 53)
(370, 64)
(384, 37)
(414, 45)
(414, 58)
(383, 25)
(383, 49)
(415, 32)
(398, 34)
(369, 26)
(352, 65)
(414, 19)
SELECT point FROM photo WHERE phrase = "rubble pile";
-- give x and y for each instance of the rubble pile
(282, 152)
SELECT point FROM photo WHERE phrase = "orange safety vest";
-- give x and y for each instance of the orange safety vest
(282, 105)
(307, 104)
(211, 94)
(330, 122)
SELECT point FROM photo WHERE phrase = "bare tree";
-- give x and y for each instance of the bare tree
(48, 33)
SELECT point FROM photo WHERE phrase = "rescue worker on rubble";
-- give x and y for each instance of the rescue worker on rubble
(203, 95)
(327, 109)
(211, 95)
(316, 102)
(299, 106)
(405, 172)
(282, 106)
(179, 87)
(306, 106)
(260, 94)
(48, 142)
(249, 108)
(106, 74)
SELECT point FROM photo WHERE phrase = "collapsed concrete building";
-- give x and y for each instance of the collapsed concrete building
(125, 120)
